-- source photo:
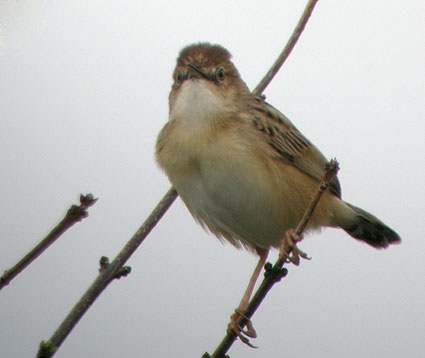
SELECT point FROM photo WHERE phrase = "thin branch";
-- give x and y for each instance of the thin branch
(74, 214)
(287, 49)
(47, 349)
(332, 168)
(276, 272)
(108, 272)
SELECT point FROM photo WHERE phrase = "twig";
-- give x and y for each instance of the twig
(332, 168)
(74, 214)
(287, 49)
(108, 272)
(276, 272)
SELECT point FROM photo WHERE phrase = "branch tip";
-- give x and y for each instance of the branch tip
(87, 200)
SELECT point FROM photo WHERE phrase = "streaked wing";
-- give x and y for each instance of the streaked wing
(288, 143)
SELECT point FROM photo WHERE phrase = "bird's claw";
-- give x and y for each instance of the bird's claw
(236, 329)
(289, 250)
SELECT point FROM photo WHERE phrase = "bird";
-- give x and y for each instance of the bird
(243, 170)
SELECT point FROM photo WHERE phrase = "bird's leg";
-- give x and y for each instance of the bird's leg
(289, 250)
(240, 311)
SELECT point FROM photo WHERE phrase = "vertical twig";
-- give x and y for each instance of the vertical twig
(74, 214)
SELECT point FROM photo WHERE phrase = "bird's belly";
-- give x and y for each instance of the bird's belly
(234, 200)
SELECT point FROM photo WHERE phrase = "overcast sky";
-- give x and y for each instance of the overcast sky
(83, 95)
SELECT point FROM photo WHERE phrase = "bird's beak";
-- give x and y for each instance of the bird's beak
(198, 70)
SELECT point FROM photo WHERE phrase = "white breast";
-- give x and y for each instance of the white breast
(196, 103)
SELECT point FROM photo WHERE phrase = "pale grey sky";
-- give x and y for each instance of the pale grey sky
(83, 94)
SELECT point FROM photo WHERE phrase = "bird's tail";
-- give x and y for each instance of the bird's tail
(366, 227)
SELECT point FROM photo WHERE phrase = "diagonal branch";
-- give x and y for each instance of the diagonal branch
(276, 272)
(287, 49)
(74, 214)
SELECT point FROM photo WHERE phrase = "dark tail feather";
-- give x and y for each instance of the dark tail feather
(368, 228)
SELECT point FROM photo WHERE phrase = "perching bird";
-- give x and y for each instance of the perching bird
(241, 167)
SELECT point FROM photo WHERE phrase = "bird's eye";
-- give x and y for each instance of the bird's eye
(180, 75)
(219, 73)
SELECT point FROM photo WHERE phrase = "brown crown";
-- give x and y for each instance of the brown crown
(203, 55)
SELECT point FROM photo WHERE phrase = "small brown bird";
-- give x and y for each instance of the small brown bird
(242, 168)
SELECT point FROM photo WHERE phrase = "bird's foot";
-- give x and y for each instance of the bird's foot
(243, 334)
(289, 250)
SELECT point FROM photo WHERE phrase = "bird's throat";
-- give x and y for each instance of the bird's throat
(197, 103)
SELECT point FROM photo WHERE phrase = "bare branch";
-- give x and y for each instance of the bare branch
(74, 214)
(332, 168)
(287, 49)
(108, 272)
(276, 272)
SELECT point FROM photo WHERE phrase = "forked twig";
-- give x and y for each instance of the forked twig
(47, 349)
(74, 214)
(275, 273)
